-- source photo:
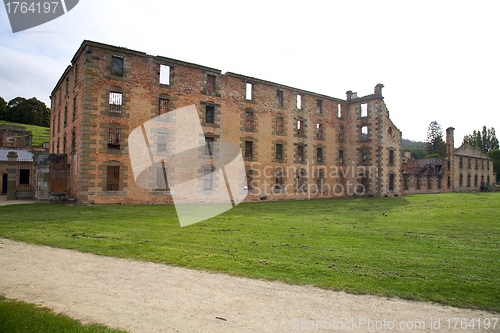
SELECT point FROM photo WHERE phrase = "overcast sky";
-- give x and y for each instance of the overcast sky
(438, 60)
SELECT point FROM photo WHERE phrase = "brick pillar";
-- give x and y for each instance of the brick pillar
(12, 175)
(450, 155)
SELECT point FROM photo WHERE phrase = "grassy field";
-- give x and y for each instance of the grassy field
(443, 248)
(40, 134)
(22, 317)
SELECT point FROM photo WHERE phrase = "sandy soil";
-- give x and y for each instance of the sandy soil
(146, 297)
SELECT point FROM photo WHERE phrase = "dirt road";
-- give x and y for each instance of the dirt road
(146, 297)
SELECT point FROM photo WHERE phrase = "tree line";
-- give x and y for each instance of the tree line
(484, 140)
(25, 111)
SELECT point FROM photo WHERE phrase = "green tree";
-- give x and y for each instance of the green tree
(3, 108)
(28, 111)
(435, 144)
(495, 156)
(484, 140)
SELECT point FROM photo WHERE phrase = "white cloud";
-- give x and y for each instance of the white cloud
(437, 60)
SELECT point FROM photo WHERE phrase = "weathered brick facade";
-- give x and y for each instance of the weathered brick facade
(464, 169)
(296, 144)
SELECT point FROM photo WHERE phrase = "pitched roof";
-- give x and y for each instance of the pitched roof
(469, 151)
(21, 154)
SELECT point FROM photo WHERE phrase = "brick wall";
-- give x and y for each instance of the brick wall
(310, 157)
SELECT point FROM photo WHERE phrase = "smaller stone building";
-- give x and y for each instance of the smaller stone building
(464, 169)
(21, 169)
(15, 137)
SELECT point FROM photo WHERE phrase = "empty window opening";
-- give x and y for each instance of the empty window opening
(299, 101)
(475, 181)
(279, 151)
(419, 182)
(391, 156)
(113, 178)
(319, 131)
(279, 95)
(163, 107)
(161, 178)
(209, 114)
(406, 186)
(249, 121)
(162, 142)
(114, 135)
(320, 180)
(65, 116)
(279, 179)
(461, 162)
(211, 79)
(341, 133)
(429, 182)
(300, 153)
(164, 74)
(74, 108)
(449, 182)
(209, 146)
(364, 156)
(469, 180)
(73, 140)
(319, 106)
(461, 180)
(67, 85)
(364, 132)
(319, 155)
(115, 102)
(301, 128)
(250, 180)
(279, 124)
(24, 177)
(392, 178)
(249, 149)
(117, 66)
(301, 180)
(249, 91)
(208, 179)
(364, 110)
(339, 111)
(341, 156)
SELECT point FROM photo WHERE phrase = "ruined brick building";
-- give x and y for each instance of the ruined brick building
(464, 169)
(295, 143)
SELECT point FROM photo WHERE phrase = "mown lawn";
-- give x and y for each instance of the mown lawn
(443, 248)
(22, 317)
(40, 134)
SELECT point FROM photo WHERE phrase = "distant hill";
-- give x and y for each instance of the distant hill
(417, 148)
(40, 134)
(407, 144)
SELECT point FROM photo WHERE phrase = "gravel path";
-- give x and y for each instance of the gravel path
(146, 297)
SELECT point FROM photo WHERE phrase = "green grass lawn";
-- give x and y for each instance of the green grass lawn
(22, 317)
(40, 134)
(443, 248)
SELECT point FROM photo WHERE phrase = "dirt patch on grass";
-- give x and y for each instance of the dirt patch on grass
(146, 297)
